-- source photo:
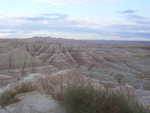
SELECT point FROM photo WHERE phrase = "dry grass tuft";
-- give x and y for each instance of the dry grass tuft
(55, 85)
(80, 94)
(9, 97)
(87, 99)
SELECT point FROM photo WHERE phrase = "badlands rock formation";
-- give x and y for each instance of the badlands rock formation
(49, 62)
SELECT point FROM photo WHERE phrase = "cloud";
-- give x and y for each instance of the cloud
(63, 2)
(133, 34)
(139, 19)
(53, 22)
(129, 11)
(62, 25)
(135, 26)
(5, 34)
(134, 17)
(46, 16)
(48, 21)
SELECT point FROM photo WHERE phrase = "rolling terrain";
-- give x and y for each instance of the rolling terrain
(108, 61)
(35, 74)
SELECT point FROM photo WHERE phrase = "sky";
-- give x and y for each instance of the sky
(76, 19)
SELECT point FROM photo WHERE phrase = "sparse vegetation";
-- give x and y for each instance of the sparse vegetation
(119, 78)
(9, 97)
(78, 94)
(85, 99)
(24, 88)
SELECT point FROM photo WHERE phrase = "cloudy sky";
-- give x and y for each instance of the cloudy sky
(77, 19)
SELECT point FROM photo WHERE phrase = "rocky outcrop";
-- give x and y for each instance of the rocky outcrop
(143, 96)
(34, 102)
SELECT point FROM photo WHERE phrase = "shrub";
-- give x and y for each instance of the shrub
(24, 88)
(86, 99)
(8, 97)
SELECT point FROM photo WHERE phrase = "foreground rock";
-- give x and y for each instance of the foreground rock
(34, 102)
(143, 96)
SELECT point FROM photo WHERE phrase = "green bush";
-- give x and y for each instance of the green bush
(85, 99)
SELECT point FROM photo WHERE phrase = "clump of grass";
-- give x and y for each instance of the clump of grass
(79, 94)
(9, 97)
(24, 88)
(85, 99)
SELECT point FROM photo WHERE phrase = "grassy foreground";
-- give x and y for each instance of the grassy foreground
(85, 99)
